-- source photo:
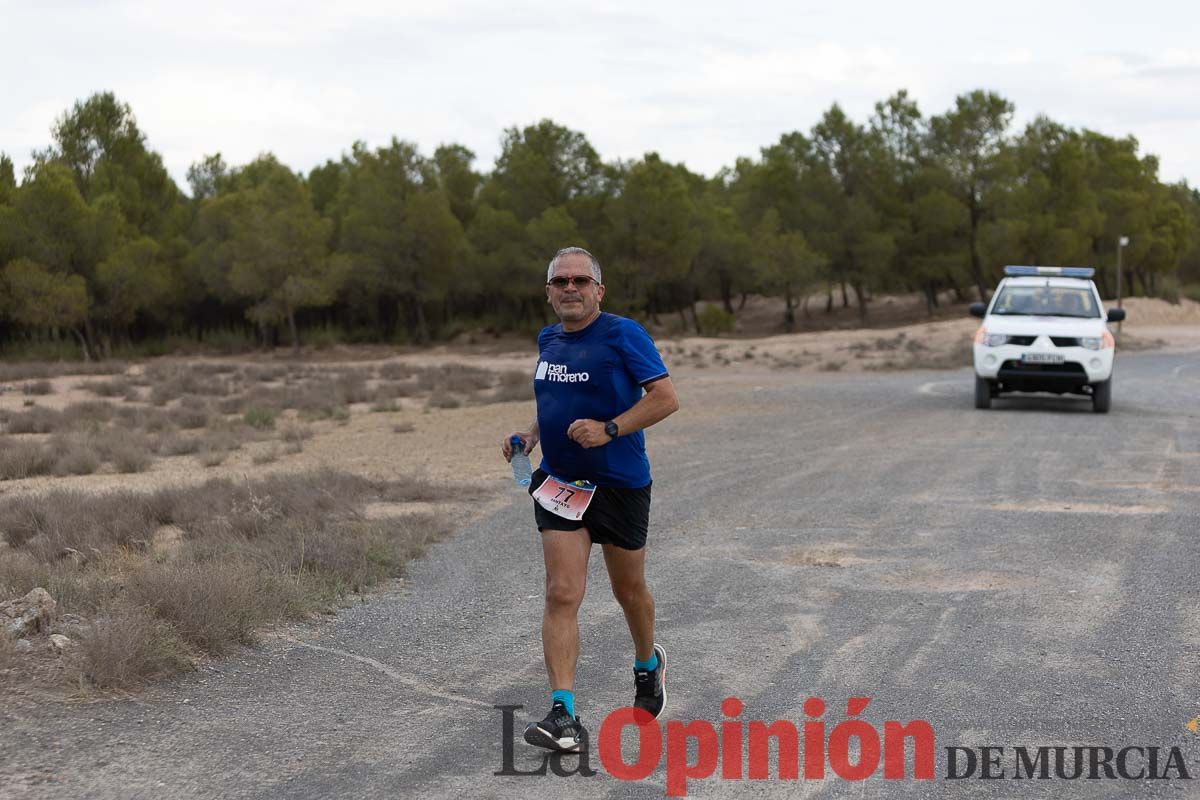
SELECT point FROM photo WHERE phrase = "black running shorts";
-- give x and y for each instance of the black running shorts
(615, 516)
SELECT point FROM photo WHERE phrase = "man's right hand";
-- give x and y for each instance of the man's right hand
(528, 437)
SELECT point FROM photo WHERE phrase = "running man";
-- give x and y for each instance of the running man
(599, 383)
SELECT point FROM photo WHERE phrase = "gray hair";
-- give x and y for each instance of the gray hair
(573, 251)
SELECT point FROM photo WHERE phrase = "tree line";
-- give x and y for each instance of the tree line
(99, 244)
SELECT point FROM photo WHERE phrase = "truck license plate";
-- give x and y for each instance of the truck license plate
(1042, 358)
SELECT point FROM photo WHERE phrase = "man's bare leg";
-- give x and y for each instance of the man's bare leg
(566, 556)
(626, 572)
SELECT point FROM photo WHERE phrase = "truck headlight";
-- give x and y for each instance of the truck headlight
(990, 339)
(1102, 342)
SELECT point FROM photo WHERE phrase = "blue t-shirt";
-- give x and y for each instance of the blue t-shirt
(595, 373)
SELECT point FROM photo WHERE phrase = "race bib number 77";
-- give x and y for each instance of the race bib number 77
(567, 500)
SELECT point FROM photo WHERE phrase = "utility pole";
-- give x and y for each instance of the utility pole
(1122, 242)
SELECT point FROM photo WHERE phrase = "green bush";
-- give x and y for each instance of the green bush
(262, 419)
(324, 336)
(714, 320)
(231, 340)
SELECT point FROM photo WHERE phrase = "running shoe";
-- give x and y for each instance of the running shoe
(558, 731)
(651, 685)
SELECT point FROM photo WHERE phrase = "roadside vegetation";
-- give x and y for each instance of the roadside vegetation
(206, 410)
(146, 583)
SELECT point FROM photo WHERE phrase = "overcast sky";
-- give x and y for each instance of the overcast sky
(702, 83)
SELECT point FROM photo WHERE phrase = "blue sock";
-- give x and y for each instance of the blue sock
(564, 697)
(650, 664)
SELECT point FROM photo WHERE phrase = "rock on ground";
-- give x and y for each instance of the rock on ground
(28, 614)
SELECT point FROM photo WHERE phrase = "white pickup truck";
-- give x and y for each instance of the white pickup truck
(1045, 330)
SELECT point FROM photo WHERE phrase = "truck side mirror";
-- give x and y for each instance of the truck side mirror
(979, 309)
(1116, 314)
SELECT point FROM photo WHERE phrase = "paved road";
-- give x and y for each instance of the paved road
(1021, 576)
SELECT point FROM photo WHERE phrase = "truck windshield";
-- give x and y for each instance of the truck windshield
(1046, 301)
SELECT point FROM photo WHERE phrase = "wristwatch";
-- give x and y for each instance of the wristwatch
(610, 428)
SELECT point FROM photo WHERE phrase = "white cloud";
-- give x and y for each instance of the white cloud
(700, 82)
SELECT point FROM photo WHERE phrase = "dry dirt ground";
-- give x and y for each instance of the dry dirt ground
(462, 443)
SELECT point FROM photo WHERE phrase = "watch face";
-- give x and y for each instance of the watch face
(611, 429)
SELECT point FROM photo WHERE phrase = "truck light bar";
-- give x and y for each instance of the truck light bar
(1065, 272)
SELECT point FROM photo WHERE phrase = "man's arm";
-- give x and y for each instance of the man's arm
(658, 403)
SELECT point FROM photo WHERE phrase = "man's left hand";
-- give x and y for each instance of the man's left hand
(588, 433)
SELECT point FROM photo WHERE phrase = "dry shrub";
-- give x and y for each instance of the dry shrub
(173, 444)
(10, 373)
(403, 427)
(7, 655)
(452, 377)
(319, 399)
(19, 460)
(354, 555)
(41, 387)
(396, 371)
(47, 524)
(159, 371)
(127, 647)
(74, 455)
(35, 420)
(892, 343)
(253, 551)
(213, 368)
(231, 405)
(315, 399)
(515, 385)
(116, 387)
(265, 374)
(392, 390)
(191, 414)
(351, 387)
(266, 456)
(20, 572)
(127, 451)
(959, 355)
(212, 458)
(211, 605)
(294, 433)
(384, 406)
(163, 393)
(173, 381)
(216, 446)
(89, 413)
(441, 399)
(134, 417)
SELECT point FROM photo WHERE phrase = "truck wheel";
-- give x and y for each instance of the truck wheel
(983, 393)
(1102, 396)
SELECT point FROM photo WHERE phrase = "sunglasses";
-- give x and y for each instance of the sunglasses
(578, 281)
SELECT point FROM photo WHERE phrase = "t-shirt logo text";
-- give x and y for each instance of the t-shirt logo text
(558, 373)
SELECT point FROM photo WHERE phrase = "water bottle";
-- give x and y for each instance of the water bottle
(522, 471)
